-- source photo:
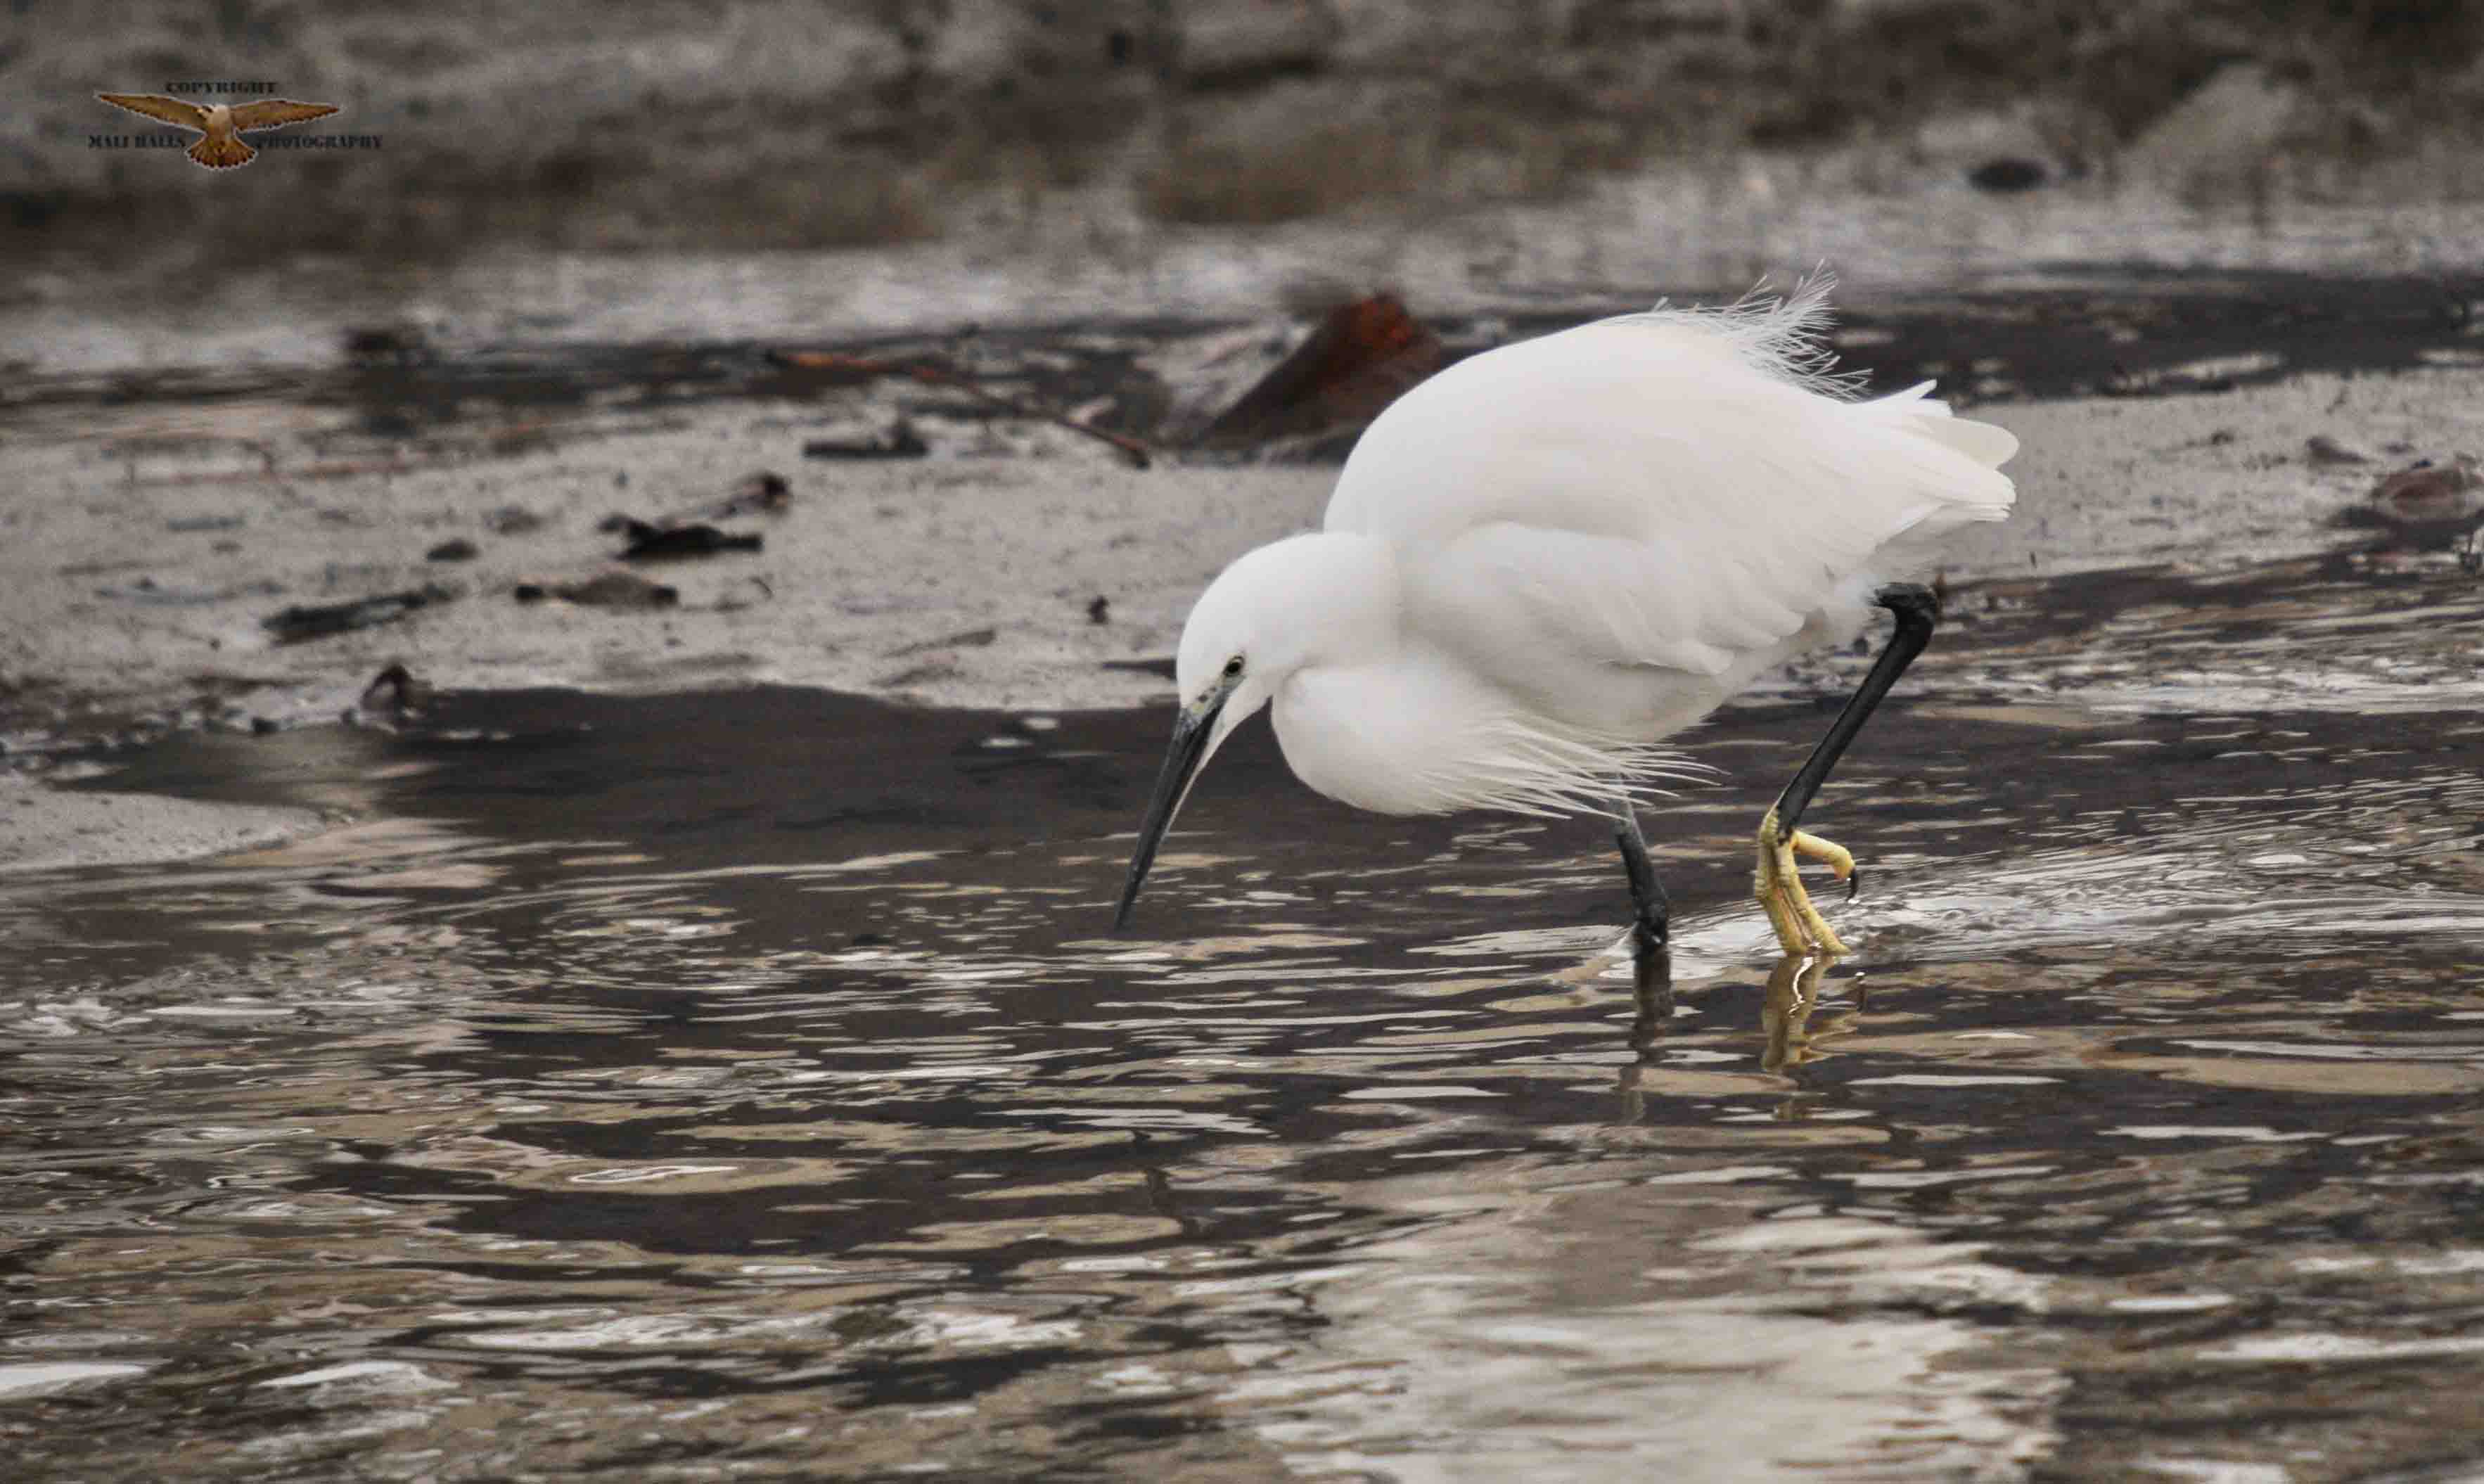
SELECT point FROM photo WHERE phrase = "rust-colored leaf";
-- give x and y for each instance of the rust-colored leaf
(1363, 357)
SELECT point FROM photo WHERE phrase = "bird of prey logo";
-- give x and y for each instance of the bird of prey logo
(223, 124)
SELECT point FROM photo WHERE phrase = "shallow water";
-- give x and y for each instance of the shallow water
(744, 1085)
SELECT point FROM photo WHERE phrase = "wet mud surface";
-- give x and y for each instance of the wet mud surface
(744, 1084)
(2075, 331)
(191, 529)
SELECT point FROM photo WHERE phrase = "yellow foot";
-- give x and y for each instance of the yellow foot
(1779, 884)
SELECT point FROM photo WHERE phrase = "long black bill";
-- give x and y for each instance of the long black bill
(1191, 734)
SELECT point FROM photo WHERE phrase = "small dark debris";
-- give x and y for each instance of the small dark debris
(454, 548)
(735, 601)
(2427, 507)
(529, 592)
(1099, 609)
(386, 342)
(188, 522)
(2428, 491)
(148, 591)
(868, 940)
(262, 726)
(665, 543)
(315, 621)
(2008, 176)
(765, 493)
(392, 690)
(972, 639)
(388, 422)
(2321, 448)
(618, 590)
(914, 675)
(511, 442)
(837, 368)
(900, 441)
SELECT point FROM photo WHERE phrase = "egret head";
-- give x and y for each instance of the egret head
(1297, 602)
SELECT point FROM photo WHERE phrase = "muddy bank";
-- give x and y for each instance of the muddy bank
(151, 546)
(47, 829)
(245, 549)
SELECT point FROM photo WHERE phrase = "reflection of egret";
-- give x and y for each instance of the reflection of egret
(1789, 1039)
(1547, 558)
(1652, 992)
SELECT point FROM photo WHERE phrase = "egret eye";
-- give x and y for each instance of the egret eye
(1234, 668)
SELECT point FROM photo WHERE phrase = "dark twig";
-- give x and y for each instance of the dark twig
(929, 374)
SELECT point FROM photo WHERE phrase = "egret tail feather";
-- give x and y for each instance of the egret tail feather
(1782, 336)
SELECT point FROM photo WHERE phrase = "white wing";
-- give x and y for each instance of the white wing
(1682, 490)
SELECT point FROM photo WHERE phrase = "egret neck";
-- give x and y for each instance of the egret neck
(1275, 619)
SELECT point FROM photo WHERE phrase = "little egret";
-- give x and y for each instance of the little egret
(1550, 557)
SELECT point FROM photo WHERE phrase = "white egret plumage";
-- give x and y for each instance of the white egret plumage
(1550, 557)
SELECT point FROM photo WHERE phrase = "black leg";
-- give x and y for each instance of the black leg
(1917, 609)
(1651, 924)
